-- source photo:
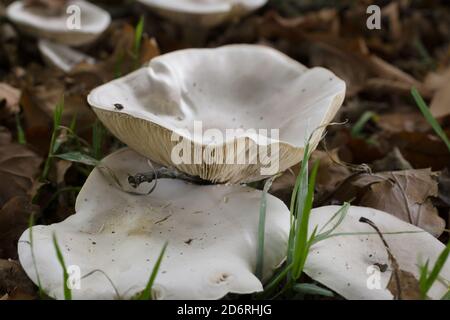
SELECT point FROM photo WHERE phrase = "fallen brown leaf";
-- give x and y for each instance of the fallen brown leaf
(421, 150)
(410, 289)
(403, 120)
(393, 161)
(14, 283)
(9, 100)
(19, 166)
(14, 220)
(405, 194)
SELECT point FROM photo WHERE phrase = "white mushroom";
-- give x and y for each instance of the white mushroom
(348, 263)
(63, 28)
(212, 241)
(61, 56)
(206, 13)
(239, 87)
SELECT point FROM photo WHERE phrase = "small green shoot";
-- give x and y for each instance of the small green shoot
(138, 40)
(361, 123)
(147, 293)
(431, 120)
(33, 257)
(312, 289)
(59, 255)
(118, 65)
(98, 133)
(423, 52)
(262, 228)
(20, 133)
(301, 242)
(57, 116)
(446, 296)
(427, 279)
(79, 157)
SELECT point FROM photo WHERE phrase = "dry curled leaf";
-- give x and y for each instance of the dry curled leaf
(421, 149)
(9, 99)
(393, 161)
(405, 194)
(19, 166)
(14, 283)
(410, 289)
(14, 220)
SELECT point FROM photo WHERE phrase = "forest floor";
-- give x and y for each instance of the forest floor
(382, 130)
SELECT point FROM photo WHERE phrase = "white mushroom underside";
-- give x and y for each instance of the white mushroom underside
(62, 56)
(93, 21)
(254, 88)
(343, 263)
(212, 233)
(207, 13)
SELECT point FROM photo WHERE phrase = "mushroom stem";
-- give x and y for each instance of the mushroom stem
(163, 173)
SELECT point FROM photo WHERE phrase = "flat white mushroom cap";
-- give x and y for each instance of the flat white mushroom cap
(237, 87)
(93, 22)
(207, 13)
(61, 56)
(345, 263)
(212, 233)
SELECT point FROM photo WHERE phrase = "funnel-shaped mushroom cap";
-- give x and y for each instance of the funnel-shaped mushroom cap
(349, 264)
(212, 233)
(80, 24)
(61, 56)
(206, 13)
(223, 108)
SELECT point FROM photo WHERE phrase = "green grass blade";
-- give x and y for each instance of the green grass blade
(427, 114)
(20, 133)
(301, 237)
(147, 293)
(427, 283)
(446, 296)
(79, 157)
(298, 198)
(138, 40)
(118, 65)
(33, 257)
(98, 133)
(340, 216)
(57, 116)
(262, 229)
(59, 255)
(312, 289)
(361, 123)
(277, 279)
